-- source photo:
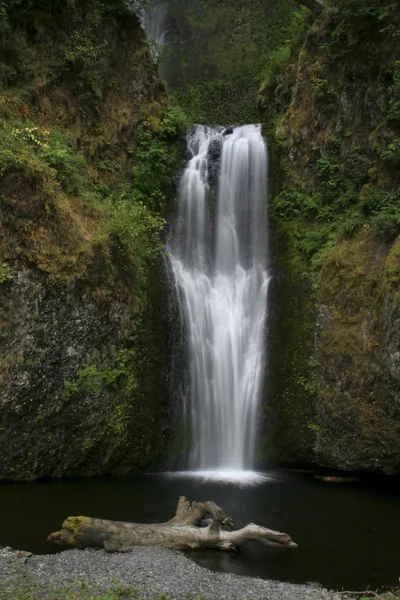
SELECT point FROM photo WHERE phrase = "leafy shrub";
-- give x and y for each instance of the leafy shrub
(85, 58)
(18, 154)
(5, 272)
(291, 204)
(44, 157)
(175, 123)
(386, 224)
(391, 153)
(276, 60)
(68, 163)
(92, 379)
(382, 209)
(314, 241)
(360, 21)
(155, 157)
(353, 222)
(138, 230)
(319, 80)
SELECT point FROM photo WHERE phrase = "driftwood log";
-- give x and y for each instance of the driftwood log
(188, 529)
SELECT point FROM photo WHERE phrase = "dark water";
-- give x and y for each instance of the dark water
(347, 533)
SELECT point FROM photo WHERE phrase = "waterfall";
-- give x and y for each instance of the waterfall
(154, 21)
(218, 253)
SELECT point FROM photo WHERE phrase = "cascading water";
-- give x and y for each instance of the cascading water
(154, 21)
(219, 262)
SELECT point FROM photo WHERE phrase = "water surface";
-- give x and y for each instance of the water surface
(347, 534)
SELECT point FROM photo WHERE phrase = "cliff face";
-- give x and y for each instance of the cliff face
(336, 124)
(217, 52)
(88, 147)
(82, 349)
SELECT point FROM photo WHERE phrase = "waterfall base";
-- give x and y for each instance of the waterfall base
(234, 476)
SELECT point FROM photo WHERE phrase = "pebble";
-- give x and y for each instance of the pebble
(151, 570)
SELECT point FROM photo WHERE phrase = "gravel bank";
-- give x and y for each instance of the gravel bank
(151, 570)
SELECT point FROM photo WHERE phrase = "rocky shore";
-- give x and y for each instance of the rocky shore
(144, 573)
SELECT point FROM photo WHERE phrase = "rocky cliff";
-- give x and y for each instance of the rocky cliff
(217, 52)
(87, 148)
(333, 113)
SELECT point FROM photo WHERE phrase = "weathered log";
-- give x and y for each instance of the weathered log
(184, 531)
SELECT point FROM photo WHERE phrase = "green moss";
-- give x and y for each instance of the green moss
(392, 268)
(23, 588)
(291, 386)
(87, 159)
(335, 217)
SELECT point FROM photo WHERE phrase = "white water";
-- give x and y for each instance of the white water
(219, 262)
(154, 21)
(238, 477)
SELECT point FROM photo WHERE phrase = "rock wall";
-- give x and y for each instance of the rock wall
(333, 115)
(216, 54)
(82, 352)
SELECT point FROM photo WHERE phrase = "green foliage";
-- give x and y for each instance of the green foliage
(292, 204)
(213, 102)
(80, 52)
(155, 158)
(5, 272)
(92, 379)
(119, 423)
(274, 66)
(21, 151)
(135, 209)
(381, 209)
(25, 589)
(319, 80)
(231, 48)
(137, 228)
(313, 241)
(362, 22)
(352, 223)
(42, 156)
(340, 174)
(391, 153)
(175, 123)
(6, 6)
(67, 162)
(342, 201)
(308, 221)
(294, 32)
(88, 379)
(394, 102)
(85, 58)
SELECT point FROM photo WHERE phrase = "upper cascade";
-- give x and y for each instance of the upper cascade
(154, 22)
(218, 253)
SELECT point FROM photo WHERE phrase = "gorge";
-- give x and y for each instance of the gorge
(171, 298)
(87, 273)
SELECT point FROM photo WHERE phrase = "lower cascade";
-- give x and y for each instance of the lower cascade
(218, 253)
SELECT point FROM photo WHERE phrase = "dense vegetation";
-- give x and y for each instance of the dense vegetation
(219, 53)
(61, 151)
(334, 132)
(90, 140)
(88, 148)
